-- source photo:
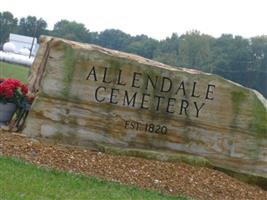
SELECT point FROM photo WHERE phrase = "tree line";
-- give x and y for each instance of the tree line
(243, 60)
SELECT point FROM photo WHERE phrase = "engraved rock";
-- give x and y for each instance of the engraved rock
(89, 95)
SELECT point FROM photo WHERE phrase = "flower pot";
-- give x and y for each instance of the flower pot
(6, 112)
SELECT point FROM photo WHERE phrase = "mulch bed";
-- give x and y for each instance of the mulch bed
(172, 178)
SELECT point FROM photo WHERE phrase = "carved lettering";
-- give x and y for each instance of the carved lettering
(166, 84)
(136, 79)
(96, 94)
(105, 76)
(127, 101)
(166, 99)
(92, 72)
(193, 90)
(210, 91)
(184, 107)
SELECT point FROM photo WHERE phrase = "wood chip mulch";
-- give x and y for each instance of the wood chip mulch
(172, 178)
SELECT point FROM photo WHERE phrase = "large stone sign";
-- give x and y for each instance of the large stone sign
(89, 95)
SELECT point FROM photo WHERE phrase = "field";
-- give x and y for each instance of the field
(19, 72)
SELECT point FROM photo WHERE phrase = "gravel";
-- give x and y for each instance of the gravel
(172, 178)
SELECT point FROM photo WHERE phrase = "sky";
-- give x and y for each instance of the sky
(156, 18)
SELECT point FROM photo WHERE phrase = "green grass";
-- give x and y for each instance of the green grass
(19, 72)
(20, 180)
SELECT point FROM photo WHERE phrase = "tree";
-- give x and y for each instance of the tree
(258, 72)
(114, 39)
(167, 51)
(8, 24)
(195, 51)
(31, 26)
(142, 45)
(233, 58)
(71, 30)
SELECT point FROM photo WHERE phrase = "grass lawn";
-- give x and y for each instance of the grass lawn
(19, 72)
(20, 180)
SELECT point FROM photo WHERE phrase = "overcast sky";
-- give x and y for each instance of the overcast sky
(155, 18)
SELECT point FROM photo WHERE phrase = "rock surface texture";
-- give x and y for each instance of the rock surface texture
(89, 95)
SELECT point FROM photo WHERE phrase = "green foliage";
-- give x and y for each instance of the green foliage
(19, 180)
(143, 46)
(167, 51)
(31, 26)
(71, 30)
(195, 51)
(258, 71)
(114, 39)
(8, 24)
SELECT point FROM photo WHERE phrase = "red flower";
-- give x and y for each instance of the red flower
(9, 93)
(24, 89)
(12, 90)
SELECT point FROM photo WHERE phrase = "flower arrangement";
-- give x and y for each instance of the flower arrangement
(13, 91)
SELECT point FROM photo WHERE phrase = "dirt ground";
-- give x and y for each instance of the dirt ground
(173, 178)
